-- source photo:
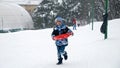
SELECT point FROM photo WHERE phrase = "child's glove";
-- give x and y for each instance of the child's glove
(72, 33)
(53, 38)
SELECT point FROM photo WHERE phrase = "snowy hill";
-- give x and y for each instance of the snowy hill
(87, 48)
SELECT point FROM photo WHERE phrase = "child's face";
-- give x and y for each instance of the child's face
(58, 23)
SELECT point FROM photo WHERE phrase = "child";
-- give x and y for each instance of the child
(61, 28)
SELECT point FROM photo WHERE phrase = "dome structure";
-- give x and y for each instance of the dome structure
(13, 16)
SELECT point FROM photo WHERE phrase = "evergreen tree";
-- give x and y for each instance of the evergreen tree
(48, 10)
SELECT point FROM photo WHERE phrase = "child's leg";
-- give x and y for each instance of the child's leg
(59, 55)
(59, 51)
(64, 53)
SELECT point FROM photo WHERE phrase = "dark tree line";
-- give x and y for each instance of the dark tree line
(82, 10)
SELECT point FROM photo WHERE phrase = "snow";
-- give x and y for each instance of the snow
(75, 7)
(86, 49)
(60, 1)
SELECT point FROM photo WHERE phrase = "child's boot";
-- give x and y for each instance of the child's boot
(65, 56)
(59, 61)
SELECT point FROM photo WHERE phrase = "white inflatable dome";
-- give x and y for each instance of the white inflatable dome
(13, 16)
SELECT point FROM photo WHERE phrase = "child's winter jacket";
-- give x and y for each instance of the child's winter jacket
(62, 29)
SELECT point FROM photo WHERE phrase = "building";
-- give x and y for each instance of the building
(29, 7)
(14, 17)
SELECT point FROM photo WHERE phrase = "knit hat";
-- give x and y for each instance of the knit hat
(59, 19)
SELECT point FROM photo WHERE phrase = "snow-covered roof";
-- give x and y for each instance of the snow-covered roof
(13, 16)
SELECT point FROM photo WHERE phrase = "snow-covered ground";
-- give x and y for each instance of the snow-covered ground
(86, 49)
